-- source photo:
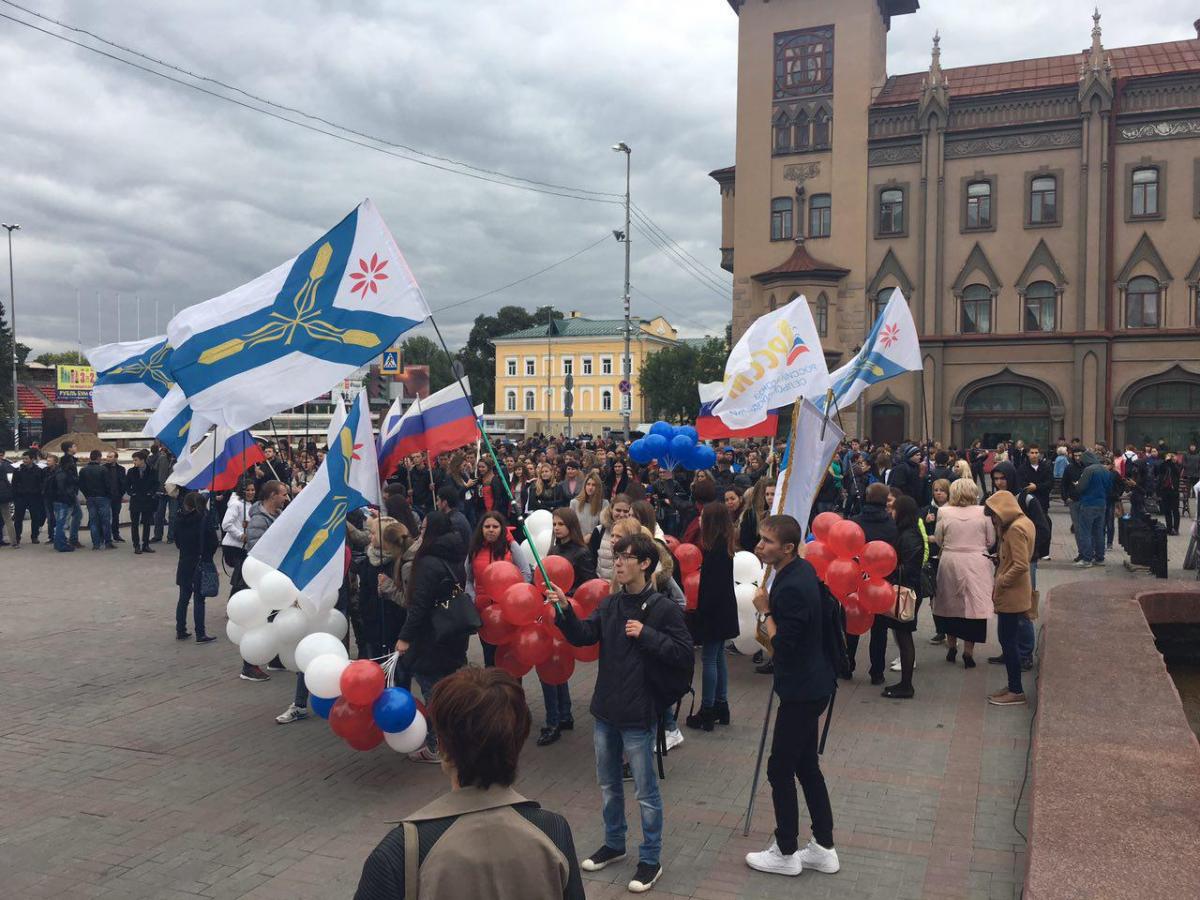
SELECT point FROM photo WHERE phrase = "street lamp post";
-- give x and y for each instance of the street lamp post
(626, 365)
(12, 302)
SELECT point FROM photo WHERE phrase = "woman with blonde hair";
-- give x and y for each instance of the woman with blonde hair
(544, 492)
(589, 504)
(961, 469)
(756, 508)
(962, 603)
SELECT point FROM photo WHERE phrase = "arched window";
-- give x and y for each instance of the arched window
(771, 304)
(977, 309)
(781, 219)
(821, 129)
(1144, 196)
(1043, 200)
(880, 301)
(510, 401)
(979, 204)
(1003, 412)
(820, 216)
(1164, 411)
(782, 132)
(1040, 306)
(606, 399)
(823, 315)
(530, 400)
(803, 138)
(891, 211)
(1142, 301)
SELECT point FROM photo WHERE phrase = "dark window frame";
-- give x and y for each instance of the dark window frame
(822, 316)
(785, 219)
(798, 53)
(1141, 296)
(965, 205)
(985, 295)
(1042, 298)
(1145, 193)
(1030, 178)
(899, 229)
(823, 213)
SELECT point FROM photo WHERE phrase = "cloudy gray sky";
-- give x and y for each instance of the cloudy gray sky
(126, 184)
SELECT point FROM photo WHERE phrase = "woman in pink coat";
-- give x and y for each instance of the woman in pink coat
(962, 603)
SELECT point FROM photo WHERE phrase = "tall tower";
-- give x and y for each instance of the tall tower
(797, 208)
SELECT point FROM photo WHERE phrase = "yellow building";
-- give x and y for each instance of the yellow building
(532, 365)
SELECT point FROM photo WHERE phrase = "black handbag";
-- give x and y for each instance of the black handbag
(208, 583)
(456, 616)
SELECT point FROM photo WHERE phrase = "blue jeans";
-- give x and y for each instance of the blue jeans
(638, 743)
(301, 696)
(100, 521)
(714, 680)
(1007, 627)
(62, 512)
(165, 515)
(558, 703)
(1089, 533)
(1026, 637)
(185, 594)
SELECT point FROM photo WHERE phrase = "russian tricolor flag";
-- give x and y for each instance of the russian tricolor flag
(217, 462)
(445, 420)
(709, 427)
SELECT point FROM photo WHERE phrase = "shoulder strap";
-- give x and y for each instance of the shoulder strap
(412, 861)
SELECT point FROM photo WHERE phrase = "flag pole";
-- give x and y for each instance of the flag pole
(537, 558)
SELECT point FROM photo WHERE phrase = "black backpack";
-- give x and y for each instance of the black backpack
(666, 684)
(833, 633)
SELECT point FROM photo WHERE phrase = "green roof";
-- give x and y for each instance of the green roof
(577, 327)
(699, 342)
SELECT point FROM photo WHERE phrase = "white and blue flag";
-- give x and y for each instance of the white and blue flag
(175, 425)
(892, 348)
(130, 375)
(285, 337)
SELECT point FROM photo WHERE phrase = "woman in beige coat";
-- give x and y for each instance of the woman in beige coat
(962, 603)
(1014, 589)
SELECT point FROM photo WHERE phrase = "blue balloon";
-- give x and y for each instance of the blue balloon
(810, 538)
(689, 431)
(394, 710)
(702, 457)
(638, 452)
(655, 444)
(664, 429)
(681, 448)
(320, 705)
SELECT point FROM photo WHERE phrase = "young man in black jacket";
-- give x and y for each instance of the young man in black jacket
(28, 482)
(1034, 476)
(639, 630)
(804, 681)
(93, 483)
(115, 473)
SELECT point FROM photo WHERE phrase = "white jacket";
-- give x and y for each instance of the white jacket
(234, 523)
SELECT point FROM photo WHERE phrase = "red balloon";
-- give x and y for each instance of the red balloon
(819, 555)
(851, 600)
(522, 604)
(498, 577)
(689, 558)
(532, 645)
(691, 589)
(858, 620)
(367, 741)
(822, 523)
(347, 721)
(506, 659)
(560, 570)
(589, 594)
(549, 626)
(362, 682)
(591, 653)
(846, 539)
(878, 559)
(843, 577)
(559, 665)
(495, 629)
(877, 596)
(482, 600)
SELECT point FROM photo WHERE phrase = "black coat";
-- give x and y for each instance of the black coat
(622, 697)
(7, 469)
(581, 560)
(437, 568)
(93, 481)
(716, 615)
(1042, 479)
(28, 481)
(142, 487)
(906, 477)
(196, 538)
(910, 558)
(114, 475)
(802, 670)
(63, 486)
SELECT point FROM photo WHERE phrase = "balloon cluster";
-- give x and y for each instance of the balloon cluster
(261, 638)
(540, 526)
(854, 570)
(516, 618)
(362, 710)
(747, 578)
(673, 445)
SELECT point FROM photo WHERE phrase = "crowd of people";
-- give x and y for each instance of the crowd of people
(969, 527)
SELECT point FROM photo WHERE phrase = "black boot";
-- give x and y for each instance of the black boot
(721, 709)
(704, 720)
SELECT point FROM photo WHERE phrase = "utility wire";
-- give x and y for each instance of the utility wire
(722, 292)
(683, 261)
(291, 109)
(641, 213)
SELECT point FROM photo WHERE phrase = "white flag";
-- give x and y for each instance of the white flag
(809, 454)
(777, 360)
(892, 348)
(175, 424)
(131, 375)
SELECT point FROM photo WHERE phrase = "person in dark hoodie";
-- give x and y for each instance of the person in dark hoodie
(878, 525)
(1004, 476)
(906, 473)
(1092, 489)
(437, 570)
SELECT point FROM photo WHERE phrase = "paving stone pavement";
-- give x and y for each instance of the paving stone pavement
(133, 765)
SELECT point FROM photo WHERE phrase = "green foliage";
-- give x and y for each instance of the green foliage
(478, 357)
(65, 358)
(669, 378)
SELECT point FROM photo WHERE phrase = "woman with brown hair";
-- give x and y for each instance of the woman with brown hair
(590, 504)
(490, 544)
(380, 592)
(716, 618)
(757, 508)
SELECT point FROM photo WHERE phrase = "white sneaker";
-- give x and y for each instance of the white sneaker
(293, 713)
(895, 666)
(814, 856)
(674, 739)
(425, 755)
(1083, 564)
(773, 861)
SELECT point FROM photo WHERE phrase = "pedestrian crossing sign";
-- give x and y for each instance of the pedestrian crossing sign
(391, 362)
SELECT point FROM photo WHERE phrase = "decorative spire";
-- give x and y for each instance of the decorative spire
(1095, 69)
(936, 77)
(935, 96)
(1097, 60)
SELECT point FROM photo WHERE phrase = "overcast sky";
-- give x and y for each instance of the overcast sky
(126, 184)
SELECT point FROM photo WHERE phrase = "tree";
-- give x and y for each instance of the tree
(419, 350)
(478, 357)
(669, 378)
(65, 358)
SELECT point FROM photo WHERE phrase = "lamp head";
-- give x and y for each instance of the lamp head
(621, 147)
(11, 228)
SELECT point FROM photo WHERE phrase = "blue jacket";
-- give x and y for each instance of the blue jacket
(1094, 484)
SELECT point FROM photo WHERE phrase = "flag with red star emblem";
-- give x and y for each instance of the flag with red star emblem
(892, 348)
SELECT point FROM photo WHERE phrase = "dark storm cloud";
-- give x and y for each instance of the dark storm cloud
(125, 183)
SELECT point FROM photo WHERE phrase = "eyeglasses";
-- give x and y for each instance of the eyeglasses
(627, 557)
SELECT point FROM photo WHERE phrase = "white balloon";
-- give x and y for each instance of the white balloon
(247, 609)
(324, 605)
(745, 642)
(253, 570)
(257, 645)
(411, 738)
(539, 519)
(287, 656)
(746, 568)
(745, 597)
(314, 645)
(290, 626)
(324, 675)
(542, 541)
(333, 622)
(234, 631)
(276, 590)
